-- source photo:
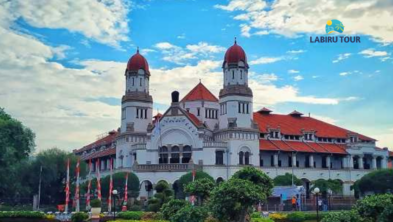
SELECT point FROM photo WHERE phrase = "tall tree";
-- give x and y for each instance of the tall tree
(286, 180)
(16, 143)
(378, 182)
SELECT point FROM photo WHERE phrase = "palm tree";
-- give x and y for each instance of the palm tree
(340, 26)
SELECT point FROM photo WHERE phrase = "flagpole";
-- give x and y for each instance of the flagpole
(125, 194)
(98, 179)
(39, 190)
(110, 187)
(77, 207)
(88, 187)
(67, 186)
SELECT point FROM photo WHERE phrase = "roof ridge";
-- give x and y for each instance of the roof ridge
(199, 89)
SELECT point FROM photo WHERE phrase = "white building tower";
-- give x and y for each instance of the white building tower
(137, 105)
(235, 97)
(236, 126)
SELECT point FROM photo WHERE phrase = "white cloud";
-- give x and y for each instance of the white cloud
(147, 51)
(102, 21)
(182, 36)
(385, 139)
(296, 51)
(324, 118)
(265, 60)
(246, 5)
(298, 78)
(342, 57)
(245, 30)
(179, 55)
(368, 53)
(344, 73)
(293, 18)
(293, 71)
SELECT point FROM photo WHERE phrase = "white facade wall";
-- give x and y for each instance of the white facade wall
(137, 82)
(194, 106)
(243, 120)
(130, 115)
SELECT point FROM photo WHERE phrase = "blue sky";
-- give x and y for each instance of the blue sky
(62, 63)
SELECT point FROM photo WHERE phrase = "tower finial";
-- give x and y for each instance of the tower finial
(235, 40)
(137, 49)
(200, 81)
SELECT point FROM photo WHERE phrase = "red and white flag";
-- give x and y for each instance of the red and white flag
(67, 189)
(193, 179)
(110, 187)
(77, 187)
(88, 187)
(98, 179)
(125, 193)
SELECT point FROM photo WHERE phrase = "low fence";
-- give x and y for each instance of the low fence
(309, 204)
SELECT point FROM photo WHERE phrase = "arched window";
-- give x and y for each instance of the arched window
(241, 158)
(175, 154)
(246, 158)
(187, 153)
(163, 155)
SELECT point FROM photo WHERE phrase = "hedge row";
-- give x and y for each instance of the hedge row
(21, 214)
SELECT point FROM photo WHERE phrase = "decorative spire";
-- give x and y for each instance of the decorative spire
(235, 41)
(200, 81)
(137, 49)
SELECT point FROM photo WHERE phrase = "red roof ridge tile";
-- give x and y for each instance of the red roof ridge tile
(200, 92)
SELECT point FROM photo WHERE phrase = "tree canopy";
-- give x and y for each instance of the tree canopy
(232, 200)
(379, 181)
(187, 178)
(286, 180)
(16, 143)
(325, 185)
(200, 188)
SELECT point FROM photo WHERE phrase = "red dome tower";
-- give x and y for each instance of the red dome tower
(137, 62)
(234, 55)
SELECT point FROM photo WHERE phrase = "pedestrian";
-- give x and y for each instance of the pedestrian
(320, 204)
(293, 203)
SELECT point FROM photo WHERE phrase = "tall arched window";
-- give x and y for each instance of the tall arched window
(187, 153)
(163, 154)
(246, 158)
(241, 158)
(175, 154)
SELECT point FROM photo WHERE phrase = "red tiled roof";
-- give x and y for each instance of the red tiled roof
(264, 110)
(98, 154)
(290, 125)
(194, 119)
(295, 146)
(105, 140)
(200, 92)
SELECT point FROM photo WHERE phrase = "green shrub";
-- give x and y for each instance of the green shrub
(371, 207)
(296, 217)
(169, 209)
(131, 215)
(151, 216)
(79, 217)
(387, 214)
(313, 216)
(211, 219)
(137, 221)
(256, 215)
(21, 214)
(96, 203)
(190, 214)
(135, 208)
(342, 216)
(262, 219)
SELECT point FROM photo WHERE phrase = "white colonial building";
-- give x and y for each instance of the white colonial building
(220, 136)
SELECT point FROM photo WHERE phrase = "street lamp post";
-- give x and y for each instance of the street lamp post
(114, 192)
(316, 192)
(330, 192)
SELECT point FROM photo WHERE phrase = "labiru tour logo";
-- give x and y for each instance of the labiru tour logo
(333, 27)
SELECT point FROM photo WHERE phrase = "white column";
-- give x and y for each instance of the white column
(384, 162)
(311, 160)
(374, 163)
(276, 160)
(350, 161)
(361, 163)
(344, 162)
(328, 161)
(293, 160)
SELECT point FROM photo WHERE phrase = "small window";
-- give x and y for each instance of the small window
(233, 74)
(241, 74)
(188, 110)
(133, 81)
(198, 111)
(140, 83)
